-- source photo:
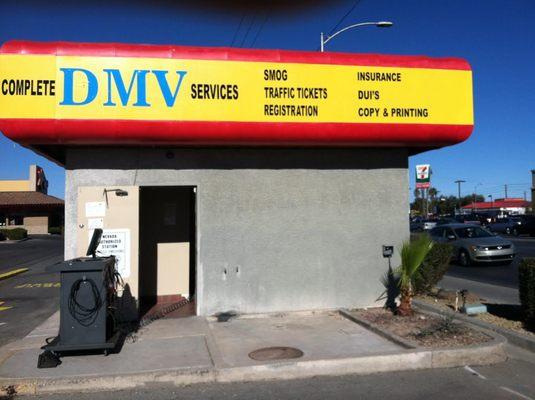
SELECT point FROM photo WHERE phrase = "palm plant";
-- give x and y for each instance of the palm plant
(412, 256)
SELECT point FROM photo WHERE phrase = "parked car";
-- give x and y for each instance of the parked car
(429, 224)
(468, 219)
(474, 244)
(415, 224)
(504, 225)
(486, 217)
(445, 221)
(526, 225)
(419, 224)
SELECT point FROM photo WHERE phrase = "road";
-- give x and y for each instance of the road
(28, 299)
(495, 283)
(509, 380)
(501, 275)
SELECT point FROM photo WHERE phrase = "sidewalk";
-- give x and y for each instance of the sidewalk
(197, 349)
(492, 293)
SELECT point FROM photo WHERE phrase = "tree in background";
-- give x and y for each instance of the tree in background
(433, 193)
(443, 204)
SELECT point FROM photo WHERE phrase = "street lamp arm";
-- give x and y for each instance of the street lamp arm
(347, 28)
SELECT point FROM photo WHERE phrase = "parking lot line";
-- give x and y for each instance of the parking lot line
(11, 273)
(38, 285)
(4, 308)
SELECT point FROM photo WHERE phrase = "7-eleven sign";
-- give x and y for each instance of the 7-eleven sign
(423, 176)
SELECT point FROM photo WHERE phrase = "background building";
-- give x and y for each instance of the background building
(499, 206)
(26, 204)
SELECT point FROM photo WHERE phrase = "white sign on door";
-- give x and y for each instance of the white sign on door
(95, 209)
(116, 242)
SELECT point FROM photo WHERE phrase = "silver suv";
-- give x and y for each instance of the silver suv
(474, 244)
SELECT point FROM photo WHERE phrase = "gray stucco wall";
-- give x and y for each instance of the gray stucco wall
(295, 229)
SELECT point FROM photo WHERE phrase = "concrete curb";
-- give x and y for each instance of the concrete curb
(398, 361)
(402, 360)
(407, 344)
(479, 354)
(525, 342)
(14, 241)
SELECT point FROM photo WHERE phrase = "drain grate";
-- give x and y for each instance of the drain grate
(275, 353)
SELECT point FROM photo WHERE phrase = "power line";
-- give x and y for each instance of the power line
(260, 30)
(237, 29)
(248, 30)
(344, 17)
(508, 185)
(342, 20)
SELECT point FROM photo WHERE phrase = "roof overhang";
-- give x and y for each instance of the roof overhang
(61, 94)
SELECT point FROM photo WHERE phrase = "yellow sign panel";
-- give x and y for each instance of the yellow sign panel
(157, 89)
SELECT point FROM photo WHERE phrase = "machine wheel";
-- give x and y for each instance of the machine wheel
(516, 232)
(508, 230)
(464, 258)
(106, 352)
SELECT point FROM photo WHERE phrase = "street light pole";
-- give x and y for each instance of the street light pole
(458, 182)
(474, 201)
(379, 24)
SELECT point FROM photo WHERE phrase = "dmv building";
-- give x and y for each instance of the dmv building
(248, 180)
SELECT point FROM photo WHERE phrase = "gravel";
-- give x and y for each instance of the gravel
(509, 323)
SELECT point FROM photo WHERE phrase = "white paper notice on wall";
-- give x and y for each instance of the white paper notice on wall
(116, 242)
(95, 209)
(94, 223)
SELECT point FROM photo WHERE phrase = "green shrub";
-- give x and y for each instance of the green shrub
(526, 290)
(55, 230)
(15, 233)
(2, 237)
(435, 265)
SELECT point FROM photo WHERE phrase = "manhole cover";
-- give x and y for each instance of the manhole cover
(275, 353)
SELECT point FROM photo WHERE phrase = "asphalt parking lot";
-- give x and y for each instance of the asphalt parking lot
(28, 299)
(501, 275)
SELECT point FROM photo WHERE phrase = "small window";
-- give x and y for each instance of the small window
(15, 220)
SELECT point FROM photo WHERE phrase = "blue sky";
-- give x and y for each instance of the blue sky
(496, 36)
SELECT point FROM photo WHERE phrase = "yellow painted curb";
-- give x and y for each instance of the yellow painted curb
(14, 272)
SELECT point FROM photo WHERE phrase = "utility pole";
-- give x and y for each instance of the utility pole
(474, 200)
(505, 186)
(458, 182)
(427, 203)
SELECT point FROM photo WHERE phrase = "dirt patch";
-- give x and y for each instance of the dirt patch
(423, 329)
(501, 316)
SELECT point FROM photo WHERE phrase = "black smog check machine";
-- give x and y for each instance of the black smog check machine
(87, 298)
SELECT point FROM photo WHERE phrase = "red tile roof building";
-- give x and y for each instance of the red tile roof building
(26, 204)
(509, 204)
